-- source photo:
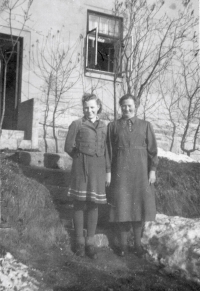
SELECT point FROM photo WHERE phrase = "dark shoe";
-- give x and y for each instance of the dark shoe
(91, 252)
(140, 252)
(80, 250)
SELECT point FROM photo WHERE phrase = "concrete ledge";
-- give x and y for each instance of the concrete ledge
(10, 139)
(25, 145)
(46, 160)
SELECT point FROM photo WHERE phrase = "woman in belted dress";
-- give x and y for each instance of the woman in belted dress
(90, 173)
(133, 153)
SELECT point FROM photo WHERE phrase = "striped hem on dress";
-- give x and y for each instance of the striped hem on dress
(85, 195)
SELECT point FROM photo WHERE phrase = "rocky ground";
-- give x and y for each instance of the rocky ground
(172, 258)
(58, 271)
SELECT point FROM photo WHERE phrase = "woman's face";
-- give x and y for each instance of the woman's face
(128, 108)
(90, 109)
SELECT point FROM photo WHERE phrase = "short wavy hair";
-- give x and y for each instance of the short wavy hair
(90, 96)
(129, 96)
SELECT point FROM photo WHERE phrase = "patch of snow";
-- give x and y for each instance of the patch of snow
(175, 157)
(14, 276)
(174, 244)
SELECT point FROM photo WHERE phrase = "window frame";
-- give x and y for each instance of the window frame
(120, 38)
(96, 44)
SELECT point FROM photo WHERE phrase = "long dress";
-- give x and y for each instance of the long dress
(88, 173)
(133, 152)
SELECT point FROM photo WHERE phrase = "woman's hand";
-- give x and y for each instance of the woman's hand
(152, 177)
(108, 179)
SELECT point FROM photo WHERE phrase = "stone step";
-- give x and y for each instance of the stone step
(11, 139)
(25, 145)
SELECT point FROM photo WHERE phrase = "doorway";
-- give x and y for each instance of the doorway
(10, 78)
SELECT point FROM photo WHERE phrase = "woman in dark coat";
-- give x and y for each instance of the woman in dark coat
(86, 144)
(133, 153)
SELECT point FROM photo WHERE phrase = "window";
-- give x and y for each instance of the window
(103, 43)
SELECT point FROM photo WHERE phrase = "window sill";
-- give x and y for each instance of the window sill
(107, 76)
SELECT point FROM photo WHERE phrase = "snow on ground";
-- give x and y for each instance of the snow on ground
(174, 157)
(14, 276)
(174, 243)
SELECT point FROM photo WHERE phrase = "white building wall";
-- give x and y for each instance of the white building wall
(70, 17)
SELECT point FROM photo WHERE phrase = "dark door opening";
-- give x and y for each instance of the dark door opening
(10, 78)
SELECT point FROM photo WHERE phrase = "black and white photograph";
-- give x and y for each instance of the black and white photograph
(99, 145)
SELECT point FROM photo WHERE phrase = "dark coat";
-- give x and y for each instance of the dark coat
(90, 140)
(88, 173)
(133, 152)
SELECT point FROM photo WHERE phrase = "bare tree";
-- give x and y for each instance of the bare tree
(9, 8)
(179, 87)
(150, 41)
(149, 104)
(56, 63)
(171, 92)
(190, 103)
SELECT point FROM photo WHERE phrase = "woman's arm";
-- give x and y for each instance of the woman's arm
(108, 167)
(108, 153)
(109, 141)
(152, 153)
(70, 142)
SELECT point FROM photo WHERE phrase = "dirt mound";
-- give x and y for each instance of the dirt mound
(28, 209)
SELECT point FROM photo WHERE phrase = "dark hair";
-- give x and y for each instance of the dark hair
(129, 96)
(87, 97)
